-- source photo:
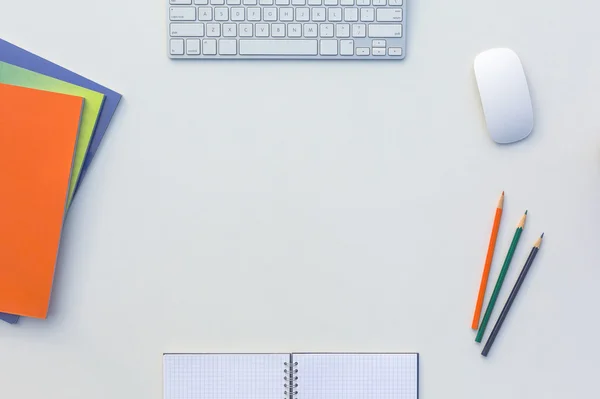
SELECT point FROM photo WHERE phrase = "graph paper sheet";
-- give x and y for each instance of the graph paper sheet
(224, 376)
(357, 376)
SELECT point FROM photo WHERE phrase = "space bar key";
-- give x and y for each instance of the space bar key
(278, 47)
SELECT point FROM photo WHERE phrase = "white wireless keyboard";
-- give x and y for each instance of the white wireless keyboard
(314, 29)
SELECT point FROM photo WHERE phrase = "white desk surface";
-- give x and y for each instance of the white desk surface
(321, 206)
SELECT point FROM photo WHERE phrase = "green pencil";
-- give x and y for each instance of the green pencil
(494, 297)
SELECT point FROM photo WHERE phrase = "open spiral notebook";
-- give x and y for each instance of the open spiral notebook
(291, 376)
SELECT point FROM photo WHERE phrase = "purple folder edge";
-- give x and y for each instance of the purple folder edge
(17, 56)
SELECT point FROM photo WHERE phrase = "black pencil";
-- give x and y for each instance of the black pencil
(512, 296)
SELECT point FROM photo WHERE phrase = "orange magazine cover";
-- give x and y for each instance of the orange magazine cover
(38, 134)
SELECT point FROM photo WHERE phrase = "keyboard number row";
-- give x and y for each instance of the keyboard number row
(281, 30)
(275, 47)
(318, 14)
(392, 3)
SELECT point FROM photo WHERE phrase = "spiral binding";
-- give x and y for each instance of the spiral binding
(291, 379)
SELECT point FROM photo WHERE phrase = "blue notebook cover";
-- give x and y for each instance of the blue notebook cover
(14, 55)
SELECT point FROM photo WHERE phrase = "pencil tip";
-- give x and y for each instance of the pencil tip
(526, 212)
(542, 236)
(502, 192)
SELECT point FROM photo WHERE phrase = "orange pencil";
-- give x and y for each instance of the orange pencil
(488, 263)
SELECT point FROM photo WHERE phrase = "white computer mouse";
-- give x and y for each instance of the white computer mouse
(504, 95)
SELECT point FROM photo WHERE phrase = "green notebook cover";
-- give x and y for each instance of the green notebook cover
(12, 75)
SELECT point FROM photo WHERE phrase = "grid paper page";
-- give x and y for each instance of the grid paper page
(357, 376)
(224, 376)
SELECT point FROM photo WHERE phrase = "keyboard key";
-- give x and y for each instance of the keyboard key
(213, 30)
(351, 14)
(395, 2)
(378, 51)
(278, 47)
(217, 2)
(221, 14)
(367, 14)
(389, 15)
(379, 43)
(346, 2)
(330, 2)
(254, 14)
(286, 14)
(363, 2)
(329, 47)
(176, 46)
(362, 51)
(335, 14)
(278, 30)
(318, 14)
(187, 30)
(229, 30)
(245, 30)
(314, 2)
(250, 2)
(302, 14)
(358, 30)
(310, 30)
(395, 51)
(382, 30)
(298, 2)
(205, 13)
(262, 30)
(201, 2)
(237, 14)
(209, 47)
(193, 46)
(182, 13)
(282, 2)
(326, 30)
(265, 2)
(294, 30)
(227, 47)
(346, 47)
(234, 2)
(270, 14)
(342, 30)
(379, 2)
(183, 2)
